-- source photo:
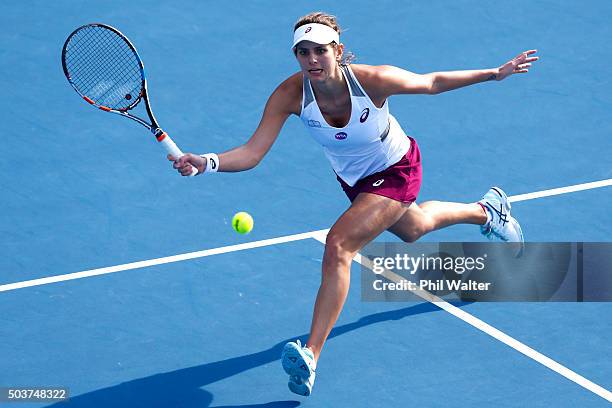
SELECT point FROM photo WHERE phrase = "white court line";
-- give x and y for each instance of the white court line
(488, 329)
(561, 190)
(250, 245)
(157, 261)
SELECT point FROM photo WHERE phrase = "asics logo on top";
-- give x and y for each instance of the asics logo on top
(314, 123)
(340, 136)
(364, 115)
(378, 182)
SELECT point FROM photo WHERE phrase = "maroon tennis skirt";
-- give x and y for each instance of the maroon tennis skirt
(399, 182)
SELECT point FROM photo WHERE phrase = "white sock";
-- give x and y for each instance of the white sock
(487, 212)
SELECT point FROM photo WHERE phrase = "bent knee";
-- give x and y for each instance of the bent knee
(412, 236)
(336, 246)
(413, 232)
(336, 250)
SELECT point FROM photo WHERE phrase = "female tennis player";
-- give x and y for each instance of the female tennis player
(345, 109)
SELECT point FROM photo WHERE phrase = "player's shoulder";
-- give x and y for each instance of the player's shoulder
(289, 93)
(375, 80)
(292, 86)
(370, 75)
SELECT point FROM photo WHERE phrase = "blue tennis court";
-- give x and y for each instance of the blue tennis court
(126, 284)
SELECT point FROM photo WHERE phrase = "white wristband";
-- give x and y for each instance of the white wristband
(212, 162)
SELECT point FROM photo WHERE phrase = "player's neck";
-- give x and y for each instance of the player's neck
(333, 87)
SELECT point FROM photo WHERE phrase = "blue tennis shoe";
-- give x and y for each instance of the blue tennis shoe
(298, 361)
(500, 224)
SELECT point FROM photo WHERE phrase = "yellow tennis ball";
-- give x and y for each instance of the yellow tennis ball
(242, 222)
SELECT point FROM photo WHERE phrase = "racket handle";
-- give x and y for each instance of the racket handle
(173, 149)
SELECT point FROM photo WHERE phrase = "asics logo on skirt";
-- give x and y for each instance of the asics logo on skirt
(378, 182)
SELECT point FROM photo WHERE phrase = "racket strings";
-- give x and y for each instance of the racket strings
(104, 68)
(105, 63)
(116, 79)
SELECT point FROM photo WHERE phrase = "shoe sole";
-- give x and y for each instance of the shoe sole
(517, 226)
(294, 363)
(299, 389)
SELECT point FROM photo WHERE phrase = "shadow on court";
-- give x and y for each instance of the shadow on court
(277, 404)
(182, 388)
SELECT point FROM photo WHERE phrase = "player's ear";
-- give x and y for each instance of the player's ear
(339, 52)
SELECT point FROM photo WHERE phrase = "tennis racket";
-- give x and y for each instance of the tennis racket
(104, 68)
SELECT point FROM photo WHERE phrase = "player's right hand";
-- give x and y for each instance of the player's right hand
(185, 163)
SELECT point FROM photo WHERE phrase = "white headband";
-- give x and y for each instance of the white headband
(317, 33)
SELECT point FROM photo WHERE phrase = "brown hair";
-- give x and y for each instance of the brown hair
(320, 17)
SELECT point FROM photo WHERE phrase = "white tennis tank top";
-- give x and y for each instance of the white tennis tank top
(371, 141)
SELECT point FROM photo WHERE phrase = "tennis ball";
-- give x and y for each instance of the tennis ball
(242, 222)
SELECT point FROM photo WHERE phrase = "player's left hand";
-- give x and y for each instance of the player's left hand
(517, 65)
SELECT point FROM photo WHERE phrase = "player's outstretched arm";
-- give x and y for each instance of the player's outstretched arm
(447, 81)
(393, 81)
(280, 105)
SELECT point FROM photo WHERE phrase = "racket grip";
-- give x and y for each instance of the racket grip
(173, 149)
